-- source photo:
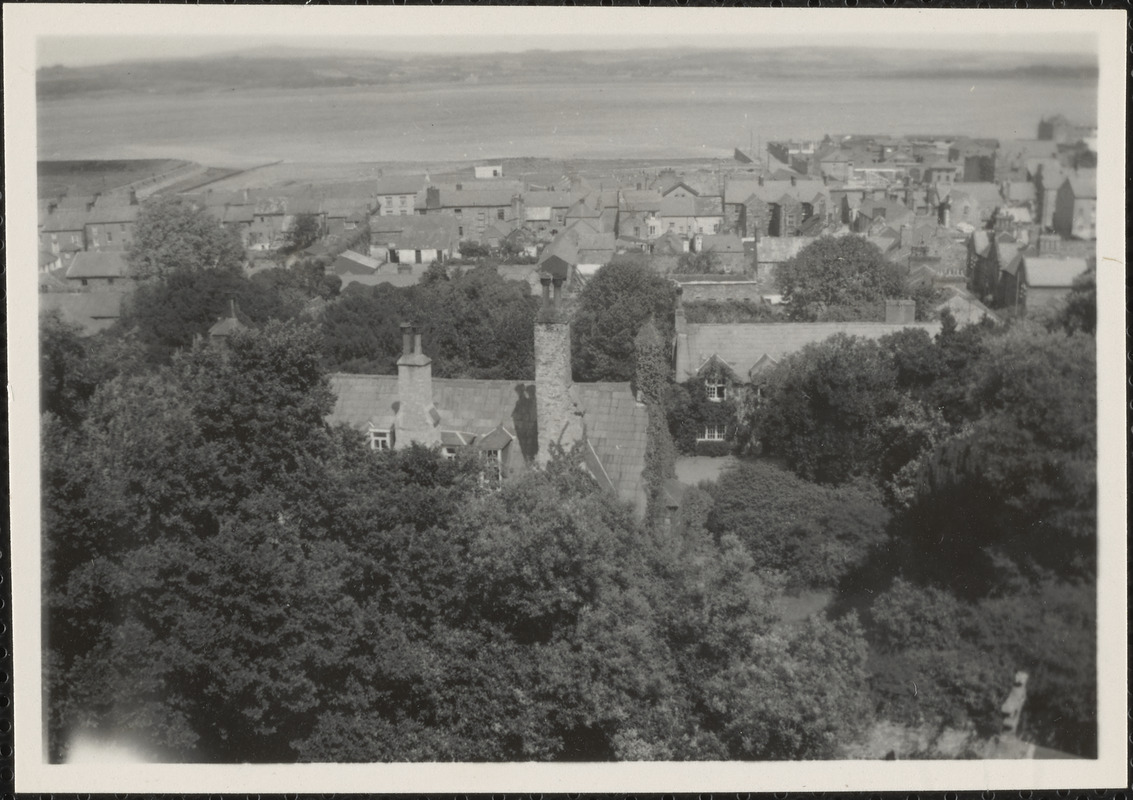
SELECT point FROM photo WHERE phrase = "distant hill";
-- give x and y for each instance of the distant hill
(296, 69)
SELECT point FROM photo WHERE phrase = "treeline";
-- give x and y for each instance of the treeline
(967, 545)
(230, 580)
(227, 578)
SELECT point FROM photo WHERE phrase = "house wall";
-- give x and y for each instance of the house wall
(392, 205)
(65, 241)
(1084, 224)
(109, 235)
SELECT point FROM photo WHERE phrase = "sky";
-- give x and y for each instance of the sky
(180, 32)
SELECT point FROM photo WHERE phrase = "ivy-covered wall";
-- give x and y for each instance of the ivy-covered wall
(689, 411)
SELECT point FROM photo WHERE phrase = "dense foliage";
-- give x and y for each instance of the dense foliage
(228, 579)
(474, 324)
(175, 235)
(982, 443)
(612, 306)
(839, 278)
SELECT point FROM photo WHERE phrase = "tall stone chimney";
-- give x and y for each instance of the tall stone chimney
(417, 418)
(557, 413)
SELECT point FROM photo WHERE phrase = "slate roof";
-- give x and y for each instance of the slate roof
(640, 200)
(352, 263)
(986, 194)
(1053, 273)
(741, 346)
(415, 231)
(399, 184)
(466, 197)
(673, 206)
(94, 311)
(101, 215)
(615, 424)
(543, 199)
(737, 192)
(1019, 191)
(238, 214)
(1084, 183)
(583, 210)
(98, 264)
(65, 220)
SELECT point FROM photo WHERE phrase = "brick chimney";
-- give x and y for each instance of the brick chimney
(417, 418)
(557, 413)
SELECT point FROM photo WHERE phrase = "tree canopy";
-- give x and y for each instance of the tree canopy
(474, 325)
(838, 278)
(612, 307)
(175, 235)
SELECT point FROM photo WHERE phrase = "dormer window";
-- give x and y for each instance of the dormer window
(380, 439)
(717, 390)
(449, 453)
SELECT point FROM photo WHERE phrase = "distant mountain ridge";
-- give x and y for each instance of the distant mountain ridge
(293, 68)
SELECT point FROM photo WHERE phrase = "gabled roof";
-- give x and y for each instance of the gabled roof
(583, 210)
(640, 200)
(1084, 183)
(101, 215)
(353, 263)
(668, 243)
(399, 185)
(744, 345)
(986, 194)
(615, 425)
(98, 264)
(804, 191)
(238, 214)
(415, 231)
(476, 196)
(62, 221)
(94, 311)
(1054, 273)
(980, 242)
(1019, 191)
(548, 199)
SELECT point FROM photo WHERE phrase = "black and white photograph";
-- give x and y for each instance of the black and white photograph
(513, 399)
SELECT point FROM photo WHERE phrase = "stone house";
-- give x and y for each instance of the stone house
(475, 206)
(1076, 206)
(395, 195)
(731, 357)
(510, 425)
(64, 233)
(774, 208)
(110, 227)
(414, 239)
(1030, 282)
(100, 270)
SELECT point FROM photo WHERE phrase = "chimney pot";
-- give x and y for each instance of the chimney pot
(407, 338)
(417, 343)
